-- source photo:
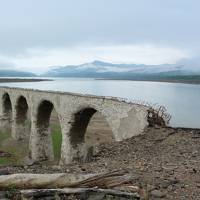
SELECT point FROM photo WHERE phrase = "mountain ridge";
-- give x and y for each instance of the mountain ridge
(15, 73)
(100, 69)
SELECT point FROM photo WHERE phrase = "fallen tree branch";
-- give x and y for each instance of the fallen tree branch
(158, 116)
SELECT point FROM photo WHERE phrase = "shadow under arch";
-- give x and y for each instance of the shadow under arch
(48, 140)
(21, 128)
(21, 109)
(43, 114)
(88, 129)
(6, 112)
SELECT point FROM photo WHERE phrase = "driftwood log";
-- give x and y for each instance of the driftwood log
(79, 193)
(63, 180)
(104, 186)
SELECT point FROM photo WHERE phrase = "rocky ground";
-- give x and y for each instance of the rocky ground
(164, 161)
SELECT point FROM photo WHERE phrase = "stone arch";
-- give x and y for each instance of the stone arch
(43, 115)
(6, 112)
(21, 126)
(79, 126)
(81, 149)
(21, 109)
(44, 143)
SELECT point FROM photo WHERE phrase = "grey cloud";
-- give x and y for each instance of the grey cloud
(49, 23)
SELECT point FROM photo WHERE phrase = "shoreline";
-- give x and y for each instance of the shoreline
(18, 80)
(192, 82)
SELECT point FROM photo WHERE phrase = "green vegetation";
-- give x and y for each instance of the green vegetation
(3, 136)
(18, 150)
(11, 192)
(5, 160)
(57, 140)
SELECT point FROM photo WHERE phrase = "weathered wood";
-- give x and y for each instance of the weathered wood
(62, 180)
(83, 193)
(21, 181)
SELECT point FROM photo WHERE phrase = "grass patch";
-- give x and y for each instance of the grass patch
(56, 140)
(19, 149)
(5, 161)
(3, 137)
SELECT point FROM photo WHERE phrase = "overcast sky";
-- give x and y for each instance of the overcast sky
(36, 34)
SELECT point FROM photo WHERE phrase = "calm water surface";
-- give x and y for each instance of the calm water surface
(181, 100)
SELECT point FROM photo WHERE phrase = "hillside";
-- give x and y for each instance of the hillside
(99, 69)
(15, 73)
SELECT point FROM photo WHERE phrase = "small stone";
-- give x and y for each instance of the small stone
(157, 127)
(194, 154)
(25, 167)
(159, 169)
(157, 194)
(151, 187)
(28, 161)
(2, 194)
(83, 169)
(165, 184)
(170, 188)
(194, 170)
(182, 185)
(97, 196)
(56, 167)
(4, 172)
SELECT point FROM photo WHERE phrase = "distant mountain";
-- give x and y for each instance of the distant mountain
(99, 69)
(15, 73)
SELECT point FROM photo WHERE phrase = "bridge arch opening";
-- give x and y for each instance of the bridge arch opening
(21, 130)
(7, 112)
(21, 110)
(49, 131)
(89, 129)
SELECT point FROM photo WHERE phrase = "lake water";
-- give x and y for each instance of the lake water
(181, 100)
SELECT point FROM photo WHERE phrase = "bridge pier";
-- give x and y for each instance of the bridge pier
(74, 147)
(20, 131)
(5, 123)
(71, 151)
(40, 145)
(66, 156)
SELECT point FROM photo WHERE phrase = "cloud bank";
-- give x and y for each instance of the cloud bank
(37, 34)
(40, 60)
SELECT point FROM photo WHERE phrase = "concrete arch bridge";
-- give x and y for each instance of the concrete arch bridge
(74, 112)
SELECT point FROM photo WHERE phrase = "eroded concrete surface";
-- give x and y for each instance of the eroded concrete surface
(74, 113)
